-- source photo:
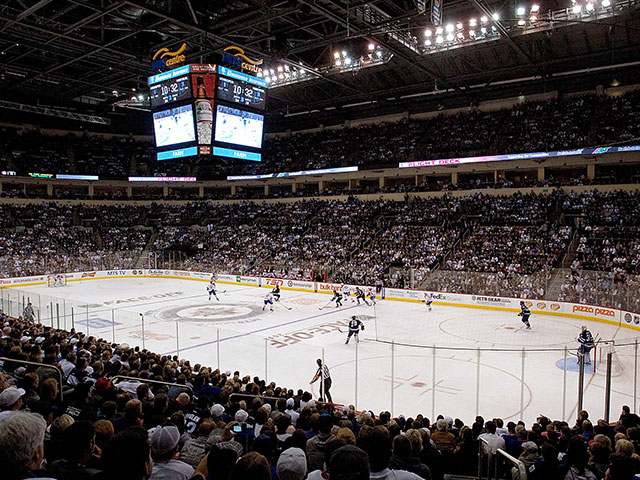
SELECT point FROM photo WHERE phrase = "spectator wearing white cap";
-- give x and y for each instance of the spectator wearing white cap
(291, 412)
(292, 464)
(164, 447)
(11, 399)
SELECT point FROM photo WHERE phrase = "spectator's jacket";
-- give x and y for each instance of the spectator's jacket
(410, 464)
(171, 470)
(194, 450)
(315, 451)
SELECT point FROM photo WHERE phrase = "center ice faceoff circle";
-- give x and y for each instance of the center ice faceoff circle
(210, 312)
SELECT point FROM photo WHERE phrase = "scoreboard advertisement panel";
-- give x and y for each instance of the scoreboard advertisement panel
(168, 91)
(238, 91)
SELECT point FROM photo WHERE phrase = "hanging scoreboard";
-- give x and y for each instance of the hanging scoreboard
(205, 109)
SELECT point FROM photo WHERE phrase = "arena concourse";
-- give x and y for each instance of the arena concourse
(432, 272)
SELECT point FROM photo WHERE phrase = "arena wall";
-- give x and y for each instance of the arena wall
(592, 313)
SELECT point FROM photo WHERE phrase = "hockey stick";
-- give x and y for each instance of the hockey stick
(325, 306)
(288, 308)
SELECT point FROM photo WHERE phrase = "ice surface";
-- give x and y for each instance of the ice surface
(451, 361)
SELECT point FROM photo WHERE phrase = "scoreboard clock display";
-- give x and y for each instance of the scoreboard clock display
(237, 91)
(169, 91)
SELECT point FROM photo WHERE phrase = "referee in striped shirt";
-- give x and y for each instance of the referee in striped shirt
(325, 385)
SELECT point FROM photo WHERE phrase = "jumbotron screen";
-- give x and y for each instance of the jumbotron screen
(174, 126)
(238, 127)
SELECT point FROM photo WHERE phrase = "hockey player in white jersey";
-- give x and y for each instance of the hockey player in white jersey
(268, 300)
(211, 288)
(428, 300)
(372, 296)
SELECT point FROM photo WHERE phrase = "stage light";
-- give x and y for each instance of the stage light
(371, 47)
(521, 22)
(577, 9)
(533, 18)
(460, 35)
(495, 16)
(427, 43)
(344, 53)
(484, 19)
(483, 31)
(338, 63)
(472, 33)
(520, 11)
(449, 28)
(459, 25)
(347, 61)
(589, 7)
(605, 3)
(439, 40)
(427, 32)
(473, 22)
(439, 31)
(450, 37)
(336, 55)
(279, 68)
(535, 8)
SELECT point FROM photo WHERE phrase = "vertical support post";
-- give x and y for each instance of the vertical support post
(143, 343)
(355, 399)
(177, 340)
(39, 309)
(266, 360)
(73, 318)
(478, 382)
(522, 385)
(635, 375)
(58, 314)
(433, 382)
(393, 372)
(564, 385)
(113, 325)
(321, 379)
(218, 347)
(580, 382)
(51, 313)
(87, 308)
(607, 388)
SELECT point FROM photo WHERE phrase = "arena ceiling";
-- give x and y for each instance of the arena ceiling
(61, 52)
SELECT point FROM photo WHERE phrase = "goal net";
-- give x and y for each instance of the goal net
(57, 280)
(603, 349)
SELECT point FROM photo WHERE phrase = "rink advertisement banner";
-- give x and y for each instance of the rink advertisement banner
(7, 282)
(288, 284)
(630, 319)
(226, 278)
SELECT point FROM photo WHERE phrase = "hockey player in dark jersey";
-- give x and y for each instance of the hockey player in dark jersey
(585, 339)
(276, 293)
(337, 297)
(360, 296)
(525, 313)
(355, 326)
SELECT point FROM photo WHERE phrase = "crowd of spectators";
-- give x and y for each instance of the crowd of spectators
(500, 245)
(93, 409)
(556, 124)
(606, 266)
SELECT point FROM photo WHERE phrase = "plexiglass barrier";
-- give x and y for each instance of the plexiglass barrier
(386, 370)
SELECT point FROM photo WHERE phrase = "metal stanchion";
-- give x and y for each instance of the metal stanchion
(607, 389)
(393, 372)
(143, 343)
(113, 326)
(178, 340)
(522, 385)
(564, 385)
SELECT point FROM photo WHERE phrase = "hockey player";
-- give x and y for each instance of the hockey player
(355, 326)
(525, 313)
(372, 296)
(360, 296)
(346, 291)
(276, 293)
(211, 288)
(337, 297)
(428, 300)
(268, 300)
(585, 339)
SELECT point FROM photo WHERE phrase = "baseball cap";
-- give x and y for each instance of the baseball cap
(164, 439)
(103, 383)
(241, 416)
(217, 410)
(292, 464)
(10, 395)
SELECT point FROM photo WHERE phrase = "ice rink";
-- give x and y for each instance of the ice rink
(451, 360)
